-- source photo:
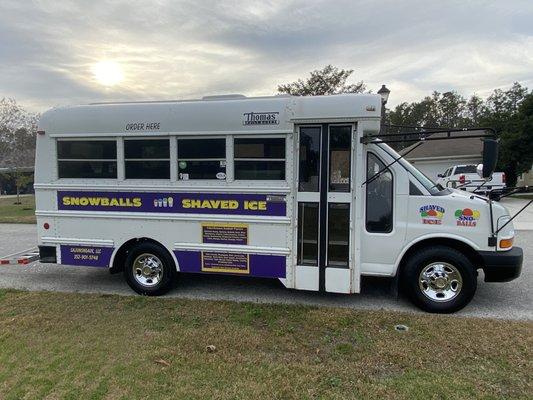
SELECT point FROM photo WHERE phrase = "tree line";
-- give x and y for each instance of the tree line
(509, 112)
(18, 129)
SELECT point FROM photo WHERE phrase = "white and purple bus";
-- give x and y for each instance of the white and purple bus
(291, 188)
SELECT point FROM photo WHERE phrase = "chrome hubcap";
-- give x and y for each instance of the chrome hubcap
(440, 281)
(148, 270)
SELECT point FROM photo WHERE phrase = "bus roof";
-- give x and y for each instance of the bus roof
(210, 115)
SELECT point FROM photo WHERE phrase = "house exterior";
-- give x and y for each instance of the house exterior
(433, 158)
(525, 179)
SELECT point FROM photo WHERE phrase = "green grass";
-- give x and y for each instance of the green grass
(75, 346)
(17, 213)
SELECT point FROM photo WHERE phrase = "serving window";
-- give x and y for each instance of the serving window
(87, 159)
(259, 158)
(202, 159)
(147, 158)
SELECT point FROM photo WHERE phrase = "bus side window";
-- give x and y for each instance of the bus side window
(87, 159)
(379, 196)
(147, 158)
(259, 158)
(202, 159)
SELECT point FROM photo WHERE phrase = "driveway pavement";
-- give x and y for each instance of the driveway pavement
(524, 221)
(512, 300)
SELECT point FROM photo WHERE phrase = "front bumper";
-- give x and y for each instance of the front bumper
(502, 266)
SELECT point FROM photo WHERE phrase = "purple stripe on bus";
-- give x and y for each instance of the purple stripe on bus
(173, 203)
(263, 266)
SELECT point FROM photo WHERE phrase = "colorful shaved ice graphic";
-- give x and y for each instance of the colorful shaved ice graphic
(432, 213)
(467, 213)
(467, 217)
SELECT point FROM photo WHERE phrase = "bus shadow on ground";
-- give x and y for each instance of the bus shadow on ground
(228, 287)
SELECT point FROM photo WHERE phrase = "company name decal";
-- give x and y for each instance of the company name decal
(467, 217)
(198, 203)
(432, 214)
(89, 256)
(261, 118)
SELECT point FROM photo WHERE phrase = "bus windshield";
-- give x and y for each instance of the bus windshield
(431, 186)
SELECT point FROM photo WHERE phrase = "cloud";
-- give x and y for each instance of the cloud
(171, 49)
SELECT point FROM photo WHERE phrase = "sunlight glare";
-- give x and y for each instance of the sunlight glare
(107, 73)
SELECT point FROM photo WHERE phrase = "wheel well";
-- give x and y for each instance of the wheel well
(464, 248)
(122, 253)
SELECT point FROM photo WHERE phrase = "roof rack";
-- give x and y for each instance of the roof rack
(425, 135)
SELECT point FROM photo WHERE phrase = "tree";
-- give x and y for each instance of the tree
(447, 109)
(17, 142)
(510, 112)
(328, 80)
(475, 109)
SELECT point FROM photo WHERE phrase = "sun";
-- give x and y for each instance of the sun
(107, 73)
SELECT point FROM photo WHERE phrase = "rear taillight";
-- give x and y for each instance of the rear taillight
(504, 178)
(462, 179)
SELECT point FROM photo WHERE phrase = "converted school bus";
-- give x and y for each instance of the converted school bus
(291, 188)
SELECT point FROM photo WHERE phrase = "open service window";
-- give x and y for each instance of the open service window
(87, 158)
(203, 158)
(147, 158)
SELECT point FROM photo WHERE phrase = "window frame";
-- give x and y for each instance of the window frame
(138, 138)
(300, 242)
(368, 154)
(299, 147)
(236, 159)
(226, 138)
(88, 139)
(350, 166)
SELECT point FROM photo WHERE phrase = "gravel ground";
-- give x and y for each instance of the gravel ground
(512, 300)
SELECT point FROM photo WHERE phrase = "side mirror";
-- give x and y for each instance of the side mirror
(490, 158)
(440, 175)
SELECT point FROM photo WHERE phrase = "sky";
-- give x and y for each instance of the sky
(71, 52)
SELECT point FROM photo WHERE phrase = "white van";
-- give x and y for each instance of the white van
(292, 188)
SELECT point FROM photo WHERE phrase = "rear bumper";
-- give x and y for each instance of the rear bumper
(502, 266)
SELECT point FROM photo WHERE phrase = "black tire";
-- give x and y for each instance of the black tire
(416, 263)
(167, 266)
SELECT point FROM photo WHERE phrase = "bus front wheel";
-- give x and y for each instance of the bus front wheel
(149, 269)
(439, 279)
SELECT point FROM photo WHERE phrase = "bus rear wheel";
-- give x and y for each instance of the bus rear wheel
(439, 279)
(149, 269)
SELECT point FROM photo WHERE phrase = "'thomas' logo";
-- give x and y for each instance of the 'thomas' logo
(261, 118)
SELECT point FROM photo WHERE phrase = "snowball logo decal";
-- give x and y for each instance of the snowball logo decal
(467, 217)
(432, 214)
